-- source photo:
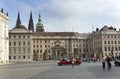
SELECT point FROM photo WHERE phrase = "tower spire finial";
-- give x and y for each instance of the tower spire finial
(18, 22)
(39, 25)
(31, 24)
(2, 10)
(39, 19)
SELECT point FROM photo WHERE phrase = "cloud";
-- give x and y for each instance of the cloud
(81, 14)
(72, 15)
(68, 14)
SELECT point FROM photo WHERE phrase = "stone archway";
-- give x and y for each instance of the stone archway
(58, 50)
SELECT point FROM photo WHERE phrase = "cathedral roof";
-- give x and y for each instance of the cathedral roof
(20, 27)
(18, 23)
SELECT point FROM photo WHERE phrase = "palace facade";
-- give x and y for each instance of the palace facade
(25, 44)
(4, 41)
(104, 41)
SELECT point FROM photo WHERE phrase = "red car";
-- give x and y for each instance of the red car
(68, 62)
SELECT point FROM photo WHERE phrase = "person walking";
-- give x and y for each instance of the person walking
(108, 59)
(103, 62)
(73, 62)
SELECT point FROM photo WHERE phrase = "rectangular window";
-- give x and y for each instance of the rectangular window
(45, 41)
(29, 50)
(105, 48)
(24, 50)
(108, 42)
(9, 43)
(14, 43)
(19, 43)
(45, 46)
(119, 48)
(19, 50)
(28, 43)
(19, 57)
(14, 37)
(112, 48)
(9, 51)
(118, 42)
(28, 56)
(28, 36)
(108, 48)
(23, 37)
(14, 57)
(41, 46)
(115, 42)
(116, 49)
(10, 57)
(37, 46)
(14, 50)
(104, 42)
(73, 45)
(33, 51)
(37, 51)
(24, 57)
(9, 37)
(24, 43)
(111, 42)
(34, 46)
(40, 51)
(19, 36)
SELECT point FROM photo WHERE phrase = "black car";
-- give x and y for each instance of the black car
(117, 62)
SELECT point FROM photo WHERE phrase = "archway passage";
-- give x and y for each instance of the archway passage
(58, 52)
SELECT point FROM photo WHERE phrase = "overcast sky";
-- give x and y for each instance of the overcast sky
(65, 15)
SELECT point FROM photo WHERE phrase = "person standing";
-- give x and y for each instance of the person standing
(108, 59)
(103, 62)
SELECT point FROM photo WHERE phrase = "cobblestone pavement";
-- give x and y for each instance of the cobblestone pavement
(50, 70)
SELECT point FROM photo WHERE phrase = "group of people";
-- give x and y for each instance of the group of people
(106, 59)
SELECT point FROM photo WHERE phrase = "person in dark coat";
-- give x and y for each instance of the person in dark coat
(103, 62)
(108, 59)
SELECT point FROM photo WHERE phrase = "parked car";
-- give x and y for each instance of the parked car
(117, 62)
(68, 62)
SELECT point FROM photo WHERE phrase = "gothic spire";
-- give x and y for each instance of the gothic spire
(7, 14)
(39, 19)
(31, 24)
(2, 10)
(18, 22)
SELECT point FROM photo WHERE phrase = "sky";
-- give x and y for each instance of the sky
(81, 16)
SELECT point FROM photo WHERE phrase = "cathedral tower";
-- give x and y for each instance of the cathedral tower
(18, 22)
(39, 25)
(31, 24)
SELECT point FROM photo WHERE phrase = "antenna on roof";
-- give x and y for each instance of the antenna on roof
(92, 28)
